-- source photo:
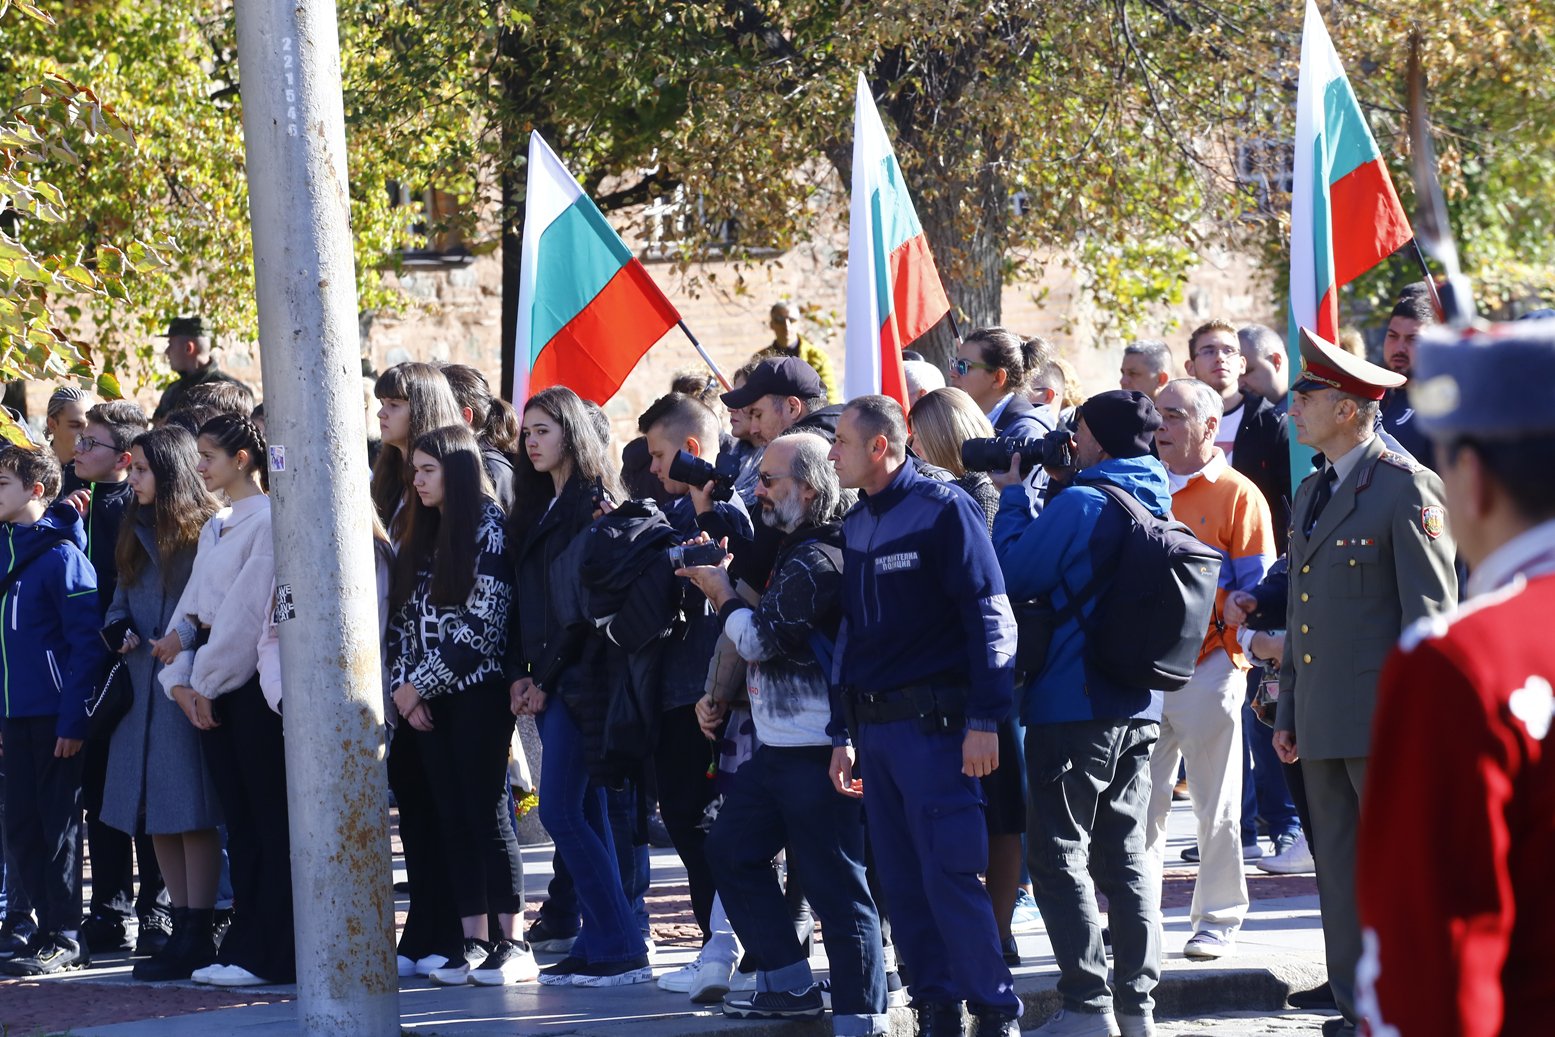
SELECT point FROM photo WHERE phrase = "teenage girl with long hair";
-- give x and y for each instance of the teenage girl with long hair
(563, 473)
(157, 774)
(413, 400)
(214, 678)
(451, 594)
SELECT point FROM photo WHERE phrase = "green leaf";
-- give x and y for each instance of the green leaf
(108, 386)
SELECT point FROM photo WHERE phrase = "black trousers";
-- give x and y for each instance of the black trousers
(432, 920)
(113, 853)
(680, 766)
(466, 757)
(43, 820)
(247, 758)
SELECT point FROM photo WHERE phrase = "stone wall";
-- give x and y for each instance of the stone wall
(454, 314)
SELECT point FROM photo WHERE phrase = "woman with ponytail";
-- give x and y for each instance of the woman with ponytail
(211, 671)
(992, 365)
(158, 780)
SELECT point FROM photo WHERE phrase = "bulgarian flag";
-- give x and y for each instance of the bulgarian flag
(1345, 215)
(894, 291)
(587, 310)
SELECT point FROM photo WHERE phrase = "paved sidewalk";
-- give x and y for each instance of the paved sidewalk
(1279, 950)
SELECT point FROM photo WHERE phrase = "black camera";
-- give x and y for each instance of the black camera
(994, 455)
(684, 556)
(1053, 450)
(693, 471)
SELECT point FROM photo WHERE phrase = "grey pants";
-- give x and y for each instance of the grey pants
(1087, 803)
(1334, 797)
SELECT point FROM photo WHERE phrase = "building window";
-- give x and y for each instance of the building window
(432, 227)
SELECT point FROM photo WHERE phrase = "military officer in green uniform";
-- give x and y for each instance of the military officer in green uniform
(1370, 553)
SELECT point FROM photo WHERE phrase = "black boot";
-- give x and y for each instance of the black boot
(189, 948)
(935, 1020)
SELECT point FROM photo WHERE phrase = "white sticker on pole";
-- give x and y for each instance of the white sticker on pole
(285, 607)
(277, 458)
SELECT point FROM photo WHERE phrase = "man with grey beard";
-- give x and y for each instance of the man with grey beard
(784, 797)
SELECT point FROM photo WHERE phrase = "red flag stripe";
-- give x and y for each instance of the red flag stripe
(1368, 221)
(597, 349)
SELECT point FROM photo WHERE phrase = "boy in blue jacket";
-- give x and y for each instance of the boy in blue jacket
(50, 657)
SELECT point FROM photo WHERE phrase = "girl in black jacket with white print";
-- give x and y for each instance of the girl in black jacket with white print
(451, 593)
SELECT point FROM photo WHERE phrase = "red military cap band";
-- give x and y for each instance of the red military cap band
(1336, 379)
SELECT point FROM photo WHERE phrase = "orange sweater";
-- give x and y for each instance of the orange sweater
(1225, 510)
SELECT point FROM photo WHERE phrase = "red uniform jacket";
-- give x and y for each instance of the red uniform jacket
(1456, 873)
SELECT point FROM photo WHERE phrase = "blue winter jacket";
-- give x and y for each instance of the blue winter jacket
(51, 654)
(1054, 554)
(923, 598)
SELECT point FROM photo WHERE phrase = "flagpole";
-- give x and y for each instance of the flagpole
(1430, 279)
(705, 358)
(955, 329)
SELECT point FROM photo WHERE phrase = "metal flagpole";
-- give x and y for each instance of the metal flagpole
(326, 586)
(705, 358)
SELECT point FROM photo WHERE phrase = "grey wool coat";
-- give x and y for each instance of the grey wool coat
(156, 761)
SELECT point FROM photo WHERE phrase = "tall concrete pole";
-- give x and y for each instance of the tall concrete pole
(295, 145)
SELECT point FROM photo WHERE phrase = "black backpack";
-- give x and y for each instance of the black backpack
(1148, 627)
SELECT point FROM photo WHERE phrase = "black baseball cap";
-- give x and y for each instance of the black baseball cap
(777, 376)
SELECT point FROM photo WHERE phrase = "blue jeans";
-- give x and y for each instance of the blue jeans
(784, 798)
(1088, 801)
(573, 811)
(631, 849)
(1265, 793)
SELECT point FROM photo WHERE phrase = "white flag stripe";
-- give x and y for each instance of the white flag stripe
(1319, 67)
(549, 192)
(861, 339)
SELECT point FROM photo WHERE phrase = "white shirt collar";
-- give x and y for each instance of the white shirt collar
(1530, 553)
(1212, 471)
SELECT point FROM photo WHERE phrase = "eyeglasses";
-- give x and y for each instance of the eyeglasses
(768, 478)
(86, 444)
(1211, 352)
(962, 366)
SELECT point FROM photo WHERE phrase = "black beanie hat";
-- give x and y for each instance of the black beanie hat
(1123, 421)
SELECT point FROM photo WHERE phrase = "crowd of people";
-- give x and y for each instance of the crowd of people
(907, 673)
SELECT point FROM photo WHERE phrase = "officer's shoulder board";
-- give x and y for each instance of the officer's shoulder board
(1398, 460)
(1391, 458)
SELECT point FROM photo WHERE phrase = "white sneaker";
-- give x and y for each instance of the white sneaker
(237, 976)
(209, 973)
(406, 966)
(679, 981)
(509, 962)
(1135, 1025)
(712, 981)
(1209, 944)
(424, 966)
(1064, 1023)
(457, 972)
(1293, 860)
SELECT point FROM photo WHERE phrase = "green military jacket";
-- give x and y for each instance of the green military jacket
(1379, 558)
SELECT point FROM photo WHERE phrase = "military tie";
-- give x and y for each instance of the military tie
(1320, 499)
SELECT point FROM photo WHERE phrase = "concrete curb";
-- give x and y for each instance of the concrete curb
(1187, 990)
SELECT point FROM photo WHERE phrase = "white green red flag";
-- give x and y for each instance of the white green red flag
(894, 290)
(587, 309)
(1345, 214)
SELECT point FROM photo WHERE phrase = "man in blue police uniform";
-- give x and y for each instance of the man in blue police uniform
(924, 673)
